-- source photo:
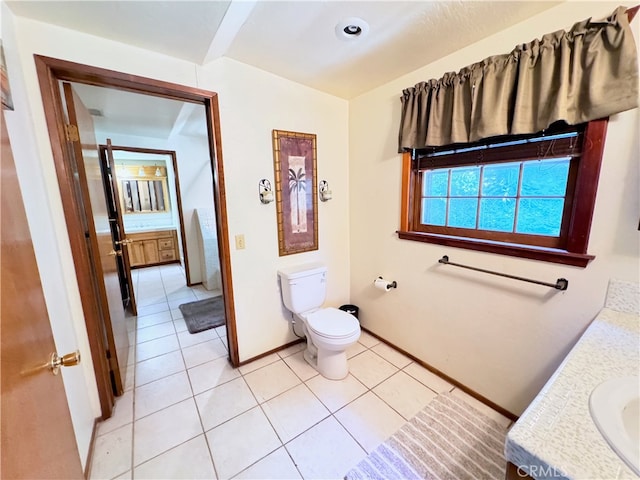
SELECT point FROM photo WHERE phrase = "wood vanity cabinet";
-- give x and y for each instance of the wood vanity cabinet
(153, 248)
(514, 473)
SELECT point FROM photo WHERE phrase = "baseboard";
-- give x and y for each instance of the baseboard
(87, 465)
(283, 347)
(446, 377)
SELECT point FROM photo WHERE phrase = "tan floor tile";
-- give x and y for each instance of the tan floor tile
(224, 402)
(404, 394)
(240, 442)
(370, 368)
(335, 394)
(272, 380)
(112, 453)
(294, 411)
(275, 466)
(427, 378)
(163, 430)
(190, 459)
(211, 374)
(318, 457)
(370, 420)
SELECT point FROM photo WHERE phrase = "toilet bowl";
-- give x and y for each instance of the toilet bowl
(329, 331)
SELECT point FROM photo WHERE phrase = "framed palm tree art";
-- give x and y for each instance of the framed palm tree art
(294, 162)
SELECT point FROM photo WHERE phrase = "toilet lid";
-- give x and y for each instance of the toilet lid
(333, 323)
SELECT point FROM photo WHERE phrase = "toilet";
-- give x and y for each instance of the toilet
(329, 331)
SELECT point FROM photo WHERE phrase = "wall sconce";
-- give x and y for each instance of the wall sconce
(265, 192)
(325, 193)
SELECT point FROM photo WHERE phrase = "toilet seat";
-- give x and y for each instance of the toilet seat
(332, 323)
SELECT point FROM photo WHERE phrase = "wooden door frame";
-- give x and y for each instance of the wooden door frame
(76, 163)
(50, 71)
(174, 160)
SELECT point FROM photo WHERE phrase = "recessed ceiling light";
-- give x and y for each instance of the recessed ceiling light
(351, 28)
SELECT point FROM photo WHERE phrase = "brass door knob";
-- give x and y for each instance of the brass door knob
(126, 241)
(114, 253)
(68, 360)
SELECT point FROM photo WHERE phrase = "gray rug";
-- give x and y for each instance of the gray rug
(447, 440)
(203, 314)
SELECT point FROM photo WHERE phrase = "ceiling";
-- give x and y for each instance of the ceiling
(297, 39)
(123, 112)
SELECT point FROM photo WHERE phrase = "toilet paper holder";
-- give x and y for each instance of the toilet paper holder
(393, 284)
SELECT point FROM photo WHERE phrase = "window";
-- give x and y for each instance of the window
(530, 196)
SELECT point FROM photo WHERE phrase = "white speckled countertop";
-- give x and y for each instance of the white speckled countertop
(556, 437)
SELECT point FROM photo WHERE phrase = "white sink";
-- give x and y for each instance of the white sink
(615, 409)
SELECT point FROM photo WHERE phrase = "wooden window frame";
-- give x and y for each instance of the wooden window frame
(577, 226)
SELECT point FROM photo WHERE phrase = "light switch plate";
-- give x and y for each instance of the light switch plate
(240, 242)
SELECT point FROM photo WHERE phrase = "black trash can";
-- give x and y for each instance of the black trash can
(352, 309)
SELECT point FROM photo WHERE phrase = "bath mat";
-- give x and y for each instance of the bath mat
(203, 314)
(447, 440)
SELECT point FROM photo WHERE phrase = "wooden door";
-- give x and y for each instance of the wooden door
(119, 235)
(37, 439)
(102, 251)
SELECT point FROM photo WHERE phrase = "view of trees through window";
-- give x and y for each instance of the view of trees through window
(529, 195)
(524, 197)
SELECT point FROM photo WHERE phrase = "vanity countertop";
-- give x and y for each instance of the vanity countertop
(148, 229)
(556, 435)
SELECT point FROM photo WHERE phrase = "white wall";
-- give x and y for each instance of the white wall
(252, 104)
(196, 190)
(500, 338)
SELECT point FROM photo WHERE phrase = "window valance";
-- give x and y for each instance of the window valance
(587, 73)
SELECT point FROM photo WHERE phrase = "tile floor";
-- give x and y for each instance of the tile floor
(187, 413)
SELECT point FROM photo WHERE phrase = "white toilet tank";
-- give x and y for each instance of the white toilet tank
(304, 287)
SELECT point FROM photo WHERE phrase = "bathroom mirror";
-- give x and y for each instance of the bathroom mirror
(143, 189)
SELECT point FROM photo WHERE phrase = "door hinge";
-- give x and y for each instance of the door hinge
(71, 133)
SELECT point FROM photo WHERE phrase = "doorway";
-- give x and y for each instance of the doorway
(144, 188)
(50, 73)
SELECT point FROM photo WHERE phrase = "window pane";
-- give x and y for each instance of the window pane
(501, 180)
(434, 211)
(436, 183)
(534, 205)
(497, 214)
(540, 216)
(545, 178)
(465, 182)
(463, 212)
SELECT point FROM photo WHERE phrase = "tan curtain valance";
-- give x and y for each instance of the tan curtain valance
(587, 73)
